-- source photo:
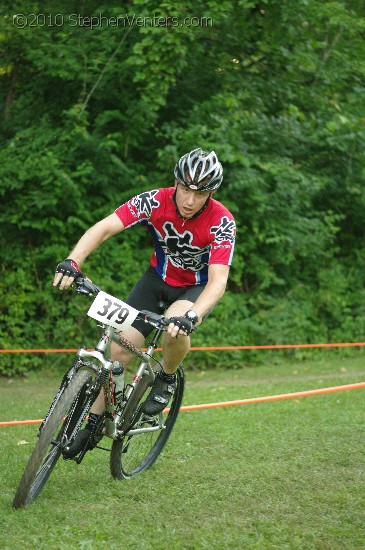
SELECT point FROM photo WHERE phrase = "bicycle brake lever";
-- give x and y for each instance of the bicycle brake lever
(153, 319)
(85, 286)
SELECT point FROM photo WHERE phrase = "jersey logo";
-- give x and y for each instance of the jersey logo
(225, 231)
(144, 203)
(179, 249)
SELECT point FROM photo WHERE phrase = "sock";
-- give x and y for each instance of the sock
(93, 418)
(168, 377)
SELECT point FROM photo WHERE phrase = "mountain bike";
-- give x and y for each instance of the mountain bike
(137, 439)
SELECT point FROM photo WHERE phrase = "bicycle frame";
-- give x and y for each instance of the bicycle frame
(118, 423)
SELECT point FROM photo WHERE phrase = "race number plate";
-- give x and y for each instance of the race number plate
(112, 311)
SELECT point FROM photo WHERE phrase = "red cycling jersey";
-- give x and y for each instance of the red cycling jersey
(183, 247)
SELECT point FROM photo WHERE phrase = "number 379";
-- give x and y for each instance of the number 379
(110, 309)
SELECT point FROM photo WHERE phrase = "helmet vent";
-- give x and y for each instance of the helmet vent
(199, 170)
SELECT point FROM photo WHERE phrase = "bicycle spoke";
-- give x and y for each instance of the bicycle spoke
(138, 450)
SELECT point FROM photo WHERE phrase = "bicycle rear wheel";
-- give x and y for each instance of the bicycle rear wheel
(55, 433)
(133, 454)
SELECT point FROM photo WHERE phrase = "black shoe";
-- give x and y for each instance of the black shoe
(79, 443)
(159, 396)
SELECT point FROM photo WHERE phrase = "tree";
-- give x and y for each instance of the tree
(99, 102)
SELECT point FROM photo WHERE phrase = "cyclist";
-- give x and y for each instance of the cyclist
(193, 237)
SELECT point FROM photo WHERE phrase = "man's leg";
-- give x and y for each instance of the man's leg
(175, 349)
(118, 353)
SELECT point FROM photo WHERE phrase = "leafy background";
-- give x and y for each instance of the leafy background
(93, 115)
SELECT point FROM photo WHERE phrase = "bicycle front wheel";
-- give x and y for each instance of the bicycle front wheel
(59, 426)
(138, 450)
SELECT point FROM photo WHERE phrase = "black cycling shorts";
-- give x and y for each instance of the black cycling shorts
(151, 291)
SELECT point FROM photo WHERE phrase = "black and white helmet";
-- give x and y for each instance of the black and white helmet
(199, 170)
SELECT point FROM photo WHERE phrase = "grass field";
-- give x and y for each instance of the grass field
(285, 474)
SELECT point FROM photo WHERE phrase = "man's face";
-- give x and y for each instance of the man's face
(189, 202)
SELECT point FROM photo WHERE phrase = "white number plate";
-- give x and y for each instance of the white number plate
(112, 311)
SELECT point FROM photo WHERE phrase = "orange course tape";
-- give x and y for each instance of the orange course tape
(249, 401)
(267, 398)
(210, 348)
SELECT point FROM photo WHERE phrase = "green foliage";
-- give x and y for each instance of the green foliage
(93, 114)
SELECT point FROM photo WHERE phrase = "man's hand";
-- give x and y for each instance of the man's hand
(66, 272)
(180, 326)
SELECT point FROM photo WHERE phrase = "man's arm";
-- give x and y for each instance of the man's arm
(214, 290)
(90, 241)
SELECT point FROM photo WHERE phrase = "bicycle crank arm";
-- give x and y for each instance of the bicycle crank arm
(144, 430)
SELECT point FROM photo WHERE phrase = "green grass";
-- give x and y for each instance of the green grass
(284, 474)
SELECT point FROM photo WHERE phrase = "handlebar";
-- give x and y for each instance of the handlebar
(154, 319)
(82, 285)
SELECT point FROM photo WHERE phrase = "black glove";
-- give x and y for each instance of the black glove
(69, 268)
(183, 323)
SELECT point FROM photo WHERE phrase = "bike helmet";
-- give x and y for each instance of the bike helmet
(199, 170)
